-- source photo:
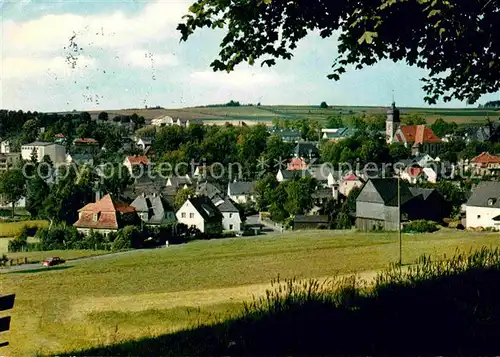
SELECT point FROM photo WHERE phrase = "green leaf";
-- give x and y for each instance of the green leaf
(434, 13)
(367, 37)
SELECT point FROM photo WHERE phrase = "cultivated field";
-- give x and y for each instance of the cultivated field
(12, 229)
(267, 113)
(147, 293)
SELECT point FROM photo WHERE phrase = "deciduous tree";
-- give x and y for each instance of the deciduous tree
(457, 41)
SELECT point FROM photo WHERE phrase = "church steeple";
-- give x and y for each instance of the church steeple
(393, 123)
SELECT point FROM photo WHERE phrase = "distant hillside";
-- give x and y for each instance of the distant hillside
(267, 113)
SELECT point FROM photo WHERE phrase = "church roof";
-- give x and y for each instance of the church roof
(419, 134)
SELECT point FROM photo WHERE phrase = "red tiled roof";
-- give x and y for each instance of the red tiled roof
(138, 160)
(415, 171)
(60, 136)
(486, 158)
(107, 211)
(88, 141)
(419, 134)
(297, 164)
(351, 177)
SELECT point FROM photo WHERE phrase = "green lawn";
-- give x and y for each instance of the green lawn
(153, 292)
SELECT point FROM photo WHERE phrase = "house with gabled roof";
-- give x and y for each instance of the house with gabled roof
(485, 164)
(232, 218)
(483, 207)
(377, 204)
(105, 215)
(154, 209)
(307, 150)
(241, 192)
(287, 175)
(208, 189)
(136, 161)
(349, 182)
(179, 182)
(200, 212)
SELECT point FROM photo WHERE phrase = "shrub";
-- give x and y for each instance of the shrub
(20, 243)
(127, 238)
(60, 238)
(3, 260)
(421, 226)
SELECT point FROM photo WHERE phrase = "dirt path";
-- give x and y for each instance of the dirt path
(191, 298)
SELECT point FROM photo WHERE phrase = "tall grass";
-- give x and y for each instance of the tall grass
(437, 306)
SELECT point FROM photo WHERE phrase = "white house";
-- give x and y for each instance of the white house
(163, 121)
(483, 207)
(56, 152)
(430, 174)
(232, 220)
(5, 147)
(241, 192)
(348, 183)
(200, 212)
(143, 143)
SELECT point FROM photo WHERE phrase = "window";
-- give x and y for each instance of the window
(230, 215)
(230, 227)
(478, 216)
(492, 201)
(95, 217)
(183, 214)
(191, 215)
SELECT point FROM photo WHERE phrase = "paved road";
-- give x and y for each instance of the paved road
(24, 267)
(267, 226)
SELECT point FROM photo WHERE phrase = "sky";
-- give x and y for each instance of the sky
(127, 54)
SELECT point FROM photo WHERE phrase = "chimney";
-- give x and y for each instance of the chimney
(97, 195)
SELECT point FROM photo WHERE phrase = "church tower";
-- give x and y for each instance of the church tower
(392, 123)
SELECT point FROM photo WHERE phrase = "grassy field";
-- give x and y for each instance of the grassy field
(148, 293)
(12, 229)
(267, 113)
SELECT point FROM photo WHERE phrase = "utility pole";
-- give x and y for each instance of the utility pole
(399, 224)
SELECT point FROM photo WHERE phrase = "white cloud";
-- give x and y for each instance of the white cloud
(51, 33)
(26, 67)
(146, 59)
(240, 78)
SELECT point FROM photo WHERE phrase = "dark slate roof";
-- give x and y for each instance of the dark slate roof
(227, 205)
(323, 193)
(425, 192)
(388, 191)
(155, 205)
(290, 174)
(321, 172)
(207, 189)
(180, 181)
(310, 219)
(486, 194)
(206, 208)
(305, 148)
(241, 188)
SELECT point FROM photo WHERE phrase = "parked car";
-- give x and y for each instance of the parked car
(52, 261)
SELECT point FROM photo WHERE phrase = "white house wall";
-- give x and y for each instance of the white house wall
(482, 217)
(196, 221)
